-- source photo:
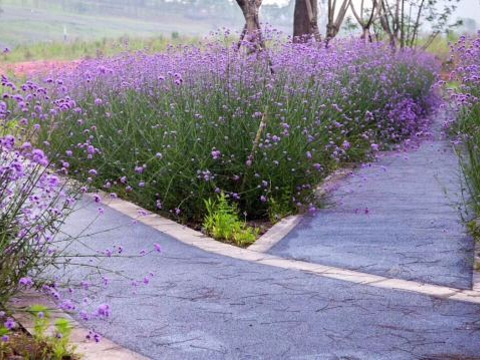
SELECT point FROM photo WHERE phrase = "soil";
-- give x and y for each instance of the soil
(28, 68)
(22, 345)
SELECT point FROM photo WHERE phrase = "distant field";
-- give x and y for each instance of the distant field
(81, 49)
(34, 29)
(27, 25)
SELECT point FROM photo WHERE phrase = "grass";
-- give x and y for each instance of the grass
(223, 222)
(18, 343)
(470, 126)
(46, 24)
(87, 49)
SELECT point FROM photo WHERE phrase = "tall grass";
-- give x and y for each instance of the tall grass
(466, 57)
(172, 130)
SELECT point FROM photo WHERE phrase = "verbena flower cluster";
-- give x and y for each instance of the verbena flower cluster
(33, 203)
(35, 200)
(465, 92)
(171, 130)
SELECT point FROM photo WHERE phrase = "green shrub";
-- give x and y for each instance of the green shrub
(223, 223)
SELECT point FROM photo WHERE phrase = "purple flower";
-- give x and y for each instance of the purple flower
(103, 311)
(67, 305)
(216, 154)
(93, 336)
(157, 247)
(26, 281)
(10, 324)
(39, 157)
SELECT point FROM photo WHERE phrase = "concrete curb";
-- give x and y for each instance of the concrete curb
(476, 267)
(281, 229)
(199, 240)
(89, 350)
(275, 234)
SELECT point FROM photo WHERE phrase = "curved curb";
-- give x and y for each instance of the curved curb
(88, 350)
(197, 239)
(275, 234)
(281, 229)
(476, 266)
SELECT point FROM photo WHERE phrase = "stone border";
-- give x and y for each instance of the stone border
(276, 233)
(476, 265)
(281, 229)
(197, 239)
(88, 350)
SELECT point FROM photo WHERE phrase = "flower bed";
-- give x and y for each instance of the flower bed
(466, 95)
(174, 130)
(34, 204)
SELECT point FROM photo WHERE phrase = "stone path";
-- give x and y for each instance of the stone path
(201, 305)
(398, 218)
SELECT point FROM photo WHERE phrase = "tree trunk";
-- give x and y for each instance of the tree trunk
(305, 25)
(251, 31)
(334, 23)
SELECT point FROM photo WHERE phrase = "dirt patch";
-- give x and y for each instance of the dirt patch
(29, 68)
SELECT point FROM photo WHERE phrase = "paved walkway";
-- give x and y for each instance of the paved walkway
(398, 217)
(201, 305)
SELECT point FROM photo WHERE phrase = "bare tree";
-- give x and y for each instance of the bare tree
(390, 22)
(305, 23)
(401, 20)
(335, 18)
(365, 22)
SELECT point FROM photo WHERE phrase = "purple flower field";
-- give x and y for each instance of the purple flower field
(172, 130)
(177, 131)
(465, 93)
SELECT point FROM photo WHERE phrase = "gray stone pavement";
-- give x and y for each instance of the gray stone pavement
(398, 217)
(201, 305)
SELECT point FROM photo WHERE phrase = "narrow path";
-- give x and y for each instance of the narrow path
(201, 305)
(398, 217)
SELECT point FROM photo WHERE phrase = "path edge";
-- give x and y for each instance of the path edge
(282, 228)
(199, 240)
(87, 350)
(476, 265)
